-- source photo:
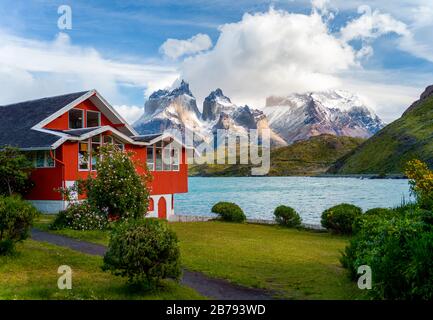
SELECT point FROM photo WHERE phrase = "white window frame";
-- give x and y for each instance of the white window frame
(82, 119)
(179, 151)
(87, 117)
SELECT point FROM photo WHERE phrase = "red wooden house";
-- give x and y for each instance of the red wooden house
(61, 134)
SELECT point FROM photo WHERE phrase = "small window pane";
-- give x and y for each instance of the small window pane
(83, 156)
(49, 160)
(150, 164)
(95, 151)
(93, 119)
(166, 164)
(40, 159)
(175, 159)
(75, 119)
(158, 159)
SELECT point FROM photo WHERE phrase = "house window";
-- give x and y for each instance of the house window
(42, 159)
(76, 120)
(158, 157)
(83, 156)
(93, 119)
(149, 159)
(175, 159)
(96, 144)
(166, 157)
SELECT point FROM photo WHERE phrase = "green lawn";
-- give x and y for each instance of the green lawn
(32, 274)
(294, 264)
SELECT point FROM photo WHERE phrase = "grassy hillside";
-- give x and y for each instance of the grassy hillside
(409, 137)
(310, 157)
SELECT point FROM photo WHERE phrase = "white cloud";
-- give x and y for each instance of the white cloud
(31, 69)
(174, 48)
(371, 25)
(270, 53)
(278, 53)
(130, 113)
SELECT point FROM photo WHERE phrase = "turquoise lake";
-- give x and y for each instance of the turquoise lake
(258, 196)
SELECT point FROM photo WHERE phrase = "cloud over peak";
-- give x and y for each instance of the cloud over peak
(174, 48)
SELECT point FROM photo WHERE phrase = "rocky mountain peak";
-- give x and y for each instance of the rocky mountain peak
(183, 88)
(216, 103)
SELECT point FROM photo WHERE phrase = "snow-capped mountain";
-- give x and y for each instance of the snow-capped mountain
(300, 116)
(167, 110)
(291, 118)
(177, 109)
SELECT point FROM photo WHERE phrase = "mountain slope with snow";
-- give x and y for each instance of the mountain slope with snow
(340, 113)
(177, 110)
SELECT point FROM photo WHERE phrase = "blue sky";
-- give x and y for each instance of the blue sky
(118, 48)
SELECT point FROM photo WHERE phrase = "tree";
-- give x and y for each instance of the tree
(118, 189)
(15, 171)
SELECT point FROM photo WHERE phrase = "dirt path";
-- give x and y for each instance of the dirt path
(208, 287)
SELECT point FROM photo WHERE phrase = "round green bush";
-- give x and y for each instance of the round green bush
(340, 218)
(143, 250)
(287, 217)
(229, 211)
(80, 216)
(16, 218)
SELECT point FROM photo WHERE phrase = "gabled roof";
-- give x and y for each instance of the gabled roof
(22, 124)
(16, 120)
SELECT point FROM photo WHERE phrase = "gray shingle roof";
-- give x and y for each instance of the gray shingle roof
(79, 132)
(16, 121)
(147, 137)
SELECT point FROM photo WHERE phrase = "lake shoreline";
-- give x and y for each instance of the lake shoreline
(309, 196)
(357, 176)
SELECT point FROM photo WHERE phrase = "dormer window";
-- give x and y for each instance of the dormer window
(93, 119)
(76, 119)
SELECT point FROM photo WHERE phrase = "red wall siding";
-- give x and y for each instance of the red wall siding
(170, 182)
(47, 180)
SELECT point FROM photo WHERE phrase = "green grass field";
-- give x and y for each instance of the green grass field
(32, 274)
(292, 263)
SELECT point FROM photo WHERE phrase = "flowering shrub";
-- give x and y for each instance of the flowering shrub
(421, 182)
(80, 216)
(118, 189)
(117, 192)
